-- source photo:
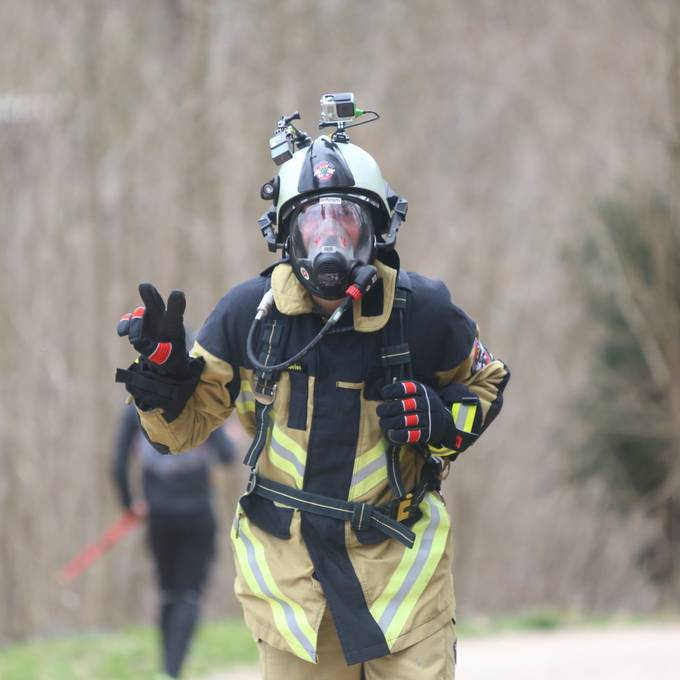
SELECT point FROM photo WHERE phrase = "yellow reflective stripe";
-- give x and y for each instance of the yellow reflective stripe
(289, 617)
(245, 405)
(370, 469)
(286, 461)
(290, 444)
(245, 402)
(440, 450)
(472, 411)
(369, 482)
(287, 455)
(464, 416)
(395, 604)
(286, 466)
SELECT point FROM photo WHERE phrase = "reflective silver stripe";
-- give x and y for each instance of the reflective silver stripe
(429, 417)
(287, 609)
(245, 395)
(287, 454)
(462, 415)
(369, 469)
(413, 572)
(396, 480)
(269, 349)
(398, 354)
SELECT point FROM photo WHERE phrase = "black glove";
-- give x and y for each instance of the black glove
(165, 376)
(156, 333)
(413, 413)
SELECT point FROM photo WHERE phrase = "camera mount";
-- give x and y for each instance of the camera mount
(339, 108)
(286, 137)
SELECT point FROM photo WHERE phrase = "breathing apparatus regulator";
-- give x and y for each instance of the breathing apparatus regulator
(332, 214)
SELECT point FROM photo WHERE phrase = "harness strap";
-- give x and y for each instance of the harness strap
(260, 438)
(269, 354)
(361, 515)
(395, 356)
(403, 509)
(394, 471)
(272, 340)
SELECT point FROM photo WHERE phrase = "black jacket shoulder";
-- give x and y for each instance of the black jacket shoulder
(441, 334)
(225, 330)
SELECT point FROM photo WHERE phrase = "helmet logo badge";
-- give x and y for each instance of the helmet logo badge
(324, 170)
(305, 273)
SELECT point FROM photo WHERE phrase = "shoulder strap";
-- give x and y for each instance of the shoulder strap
(270, 351)
(395, 356)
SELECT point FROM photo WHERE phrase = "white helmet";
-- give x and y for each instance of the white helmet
(334, 190)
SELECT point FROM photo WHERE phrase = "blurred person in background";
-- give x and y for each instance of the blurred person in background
(359, 383)
(176, 501)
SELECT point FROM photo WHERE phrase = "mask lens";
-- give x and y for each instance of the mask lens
(334, 223)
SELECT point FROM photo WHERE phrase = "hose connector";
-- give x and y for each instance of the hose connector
(265, 305)
(364, 278)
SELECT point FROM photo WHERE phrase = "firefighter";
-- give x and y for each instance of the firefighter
(359, 383)
(177, 502)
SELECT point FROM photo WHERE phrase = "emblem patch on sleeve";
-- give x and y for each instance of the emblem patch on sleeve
(481, 356)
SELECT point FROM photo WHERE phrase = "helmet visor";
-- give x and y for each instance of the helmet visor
(332, 224)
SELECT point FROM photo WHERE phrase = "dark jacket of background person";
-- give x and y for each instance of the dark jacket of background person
(172, 485)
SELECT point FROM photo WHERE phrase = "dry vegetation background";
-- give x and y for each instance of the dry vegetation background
(133, 142)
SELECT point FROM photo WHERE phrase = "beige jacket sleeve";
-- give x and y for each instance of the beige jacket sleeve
(206, 410)
(483, 375)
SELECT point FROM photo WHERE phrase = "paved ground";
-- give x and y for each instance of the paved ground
(628, 653)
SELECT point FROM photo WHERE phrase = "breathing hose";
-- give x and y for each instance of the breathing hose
(364, 277)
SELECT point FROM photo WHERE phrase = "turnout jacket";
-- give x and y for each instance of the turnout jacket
(323, 437)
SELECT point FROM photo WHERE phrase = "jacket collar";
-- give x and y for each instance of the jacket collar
(292, 298)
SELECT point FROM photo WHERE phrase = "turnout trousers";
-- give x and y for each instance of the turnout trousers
(433, 658)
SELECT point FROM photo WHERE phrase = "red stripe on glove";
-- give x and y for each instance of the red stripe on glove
(409, 387)
(410, 421)
(138, 313)
(161, 353)
(409, 404)
(413, 436)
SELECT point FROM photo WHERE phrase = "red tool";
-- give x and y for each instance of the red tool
(95, 550)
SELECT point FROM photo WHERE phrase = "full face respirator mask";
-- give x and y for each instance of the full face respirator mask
(330, 237)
